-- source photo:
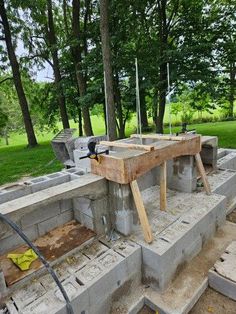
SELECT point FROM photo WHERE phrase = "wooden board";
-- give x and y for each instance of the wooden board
(52, 245)
(125, 167)
(163, 186)
(127, 145)
(147, 232)
(160, 137)
(202, 172)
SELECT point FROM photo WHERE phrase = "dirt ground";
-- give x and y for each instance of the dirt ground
(214, 302)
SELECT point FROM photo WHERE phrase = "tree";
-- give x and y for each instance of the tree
(17, 77)
(51, 36)
(106, 55)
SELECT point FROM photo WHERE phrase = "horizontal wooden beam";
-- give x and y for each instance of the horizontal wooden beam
(161, 137)
(125, 167)
(127, 145)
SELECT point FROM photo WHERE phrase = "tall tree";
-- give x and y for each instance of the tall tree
(52, 40)
(17, 77)
(77, 50)
(107, 64)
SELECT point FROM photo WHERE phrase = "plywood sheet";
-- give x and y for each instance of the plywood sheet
(53, 245)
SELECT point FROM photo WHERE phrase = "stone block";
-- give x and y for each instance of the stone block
(40, 214)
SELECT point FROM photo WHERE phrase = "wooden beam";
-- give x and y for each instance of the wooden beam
(161, 137)
(126, 166)
(163, 184)
(128, 145)
(203, 173)
(141, 212)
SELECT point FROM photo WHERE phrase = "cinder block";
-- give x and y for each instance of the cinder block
(66, 205)
(45, 182)
(40, 214)
(25, 296)
(101, 215)
(102, 276)
(221, 284)
(54, 222)
(14, 191)
(124, 221)
(87, 221)
(14, 240)
(184, 177)
(83, 205)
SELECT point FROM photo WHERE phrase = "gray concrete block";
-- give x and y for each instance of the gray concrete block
(83, 205)
(66, 205)
(54, 222)
(27, 295)
(101, 215)
(40, 214)
(14, 240)
(45, 182)
(184, 177)
(14, 191)
(222, 284)
(103, 276)
(87, 221)
(124, 221)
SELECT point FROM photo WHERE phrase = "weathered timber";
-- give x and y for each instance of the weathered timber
(127, 145)
(126, 166)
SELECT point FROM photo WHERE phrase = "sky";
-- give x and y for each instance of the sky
(44, 75)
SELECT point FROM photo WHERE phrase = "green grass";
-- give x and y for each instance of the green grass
(17, 161)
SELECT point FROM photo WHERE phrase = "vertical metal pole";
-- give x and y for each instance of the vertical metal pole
(168, 97)
(105, 90)
(139, 125)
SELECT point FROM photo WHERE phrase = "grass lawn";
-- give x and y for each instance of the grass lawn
(17, 161)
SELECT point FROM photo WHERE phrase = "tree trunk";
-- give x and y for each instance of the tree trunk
(80, 122)
(232, 89)
(106, 55)
(143, 109)
(163, 38)
(56, 67)
(77, 58)
(17, 78)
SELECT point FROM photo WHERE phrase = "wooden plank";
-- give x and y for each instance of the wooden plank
(141, 212)
(127, 167)
(161, 137)
(53, 245)
(202, 173)
(86, 185)
(127, 145)
(163, 185)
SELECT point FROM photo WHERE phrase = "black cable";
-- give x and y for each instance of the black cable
(43, 260)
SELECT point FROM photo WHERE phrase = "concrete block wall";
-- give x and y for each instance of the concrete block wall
(180, 242)
(91, 286)
(45, 218)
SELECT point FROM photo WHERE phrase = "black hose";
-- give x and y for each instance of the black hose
(43, 260)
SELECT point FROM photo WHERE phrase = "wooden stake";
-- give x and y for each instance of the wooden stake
(163, 185)
(203, 174)
(141, 212)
